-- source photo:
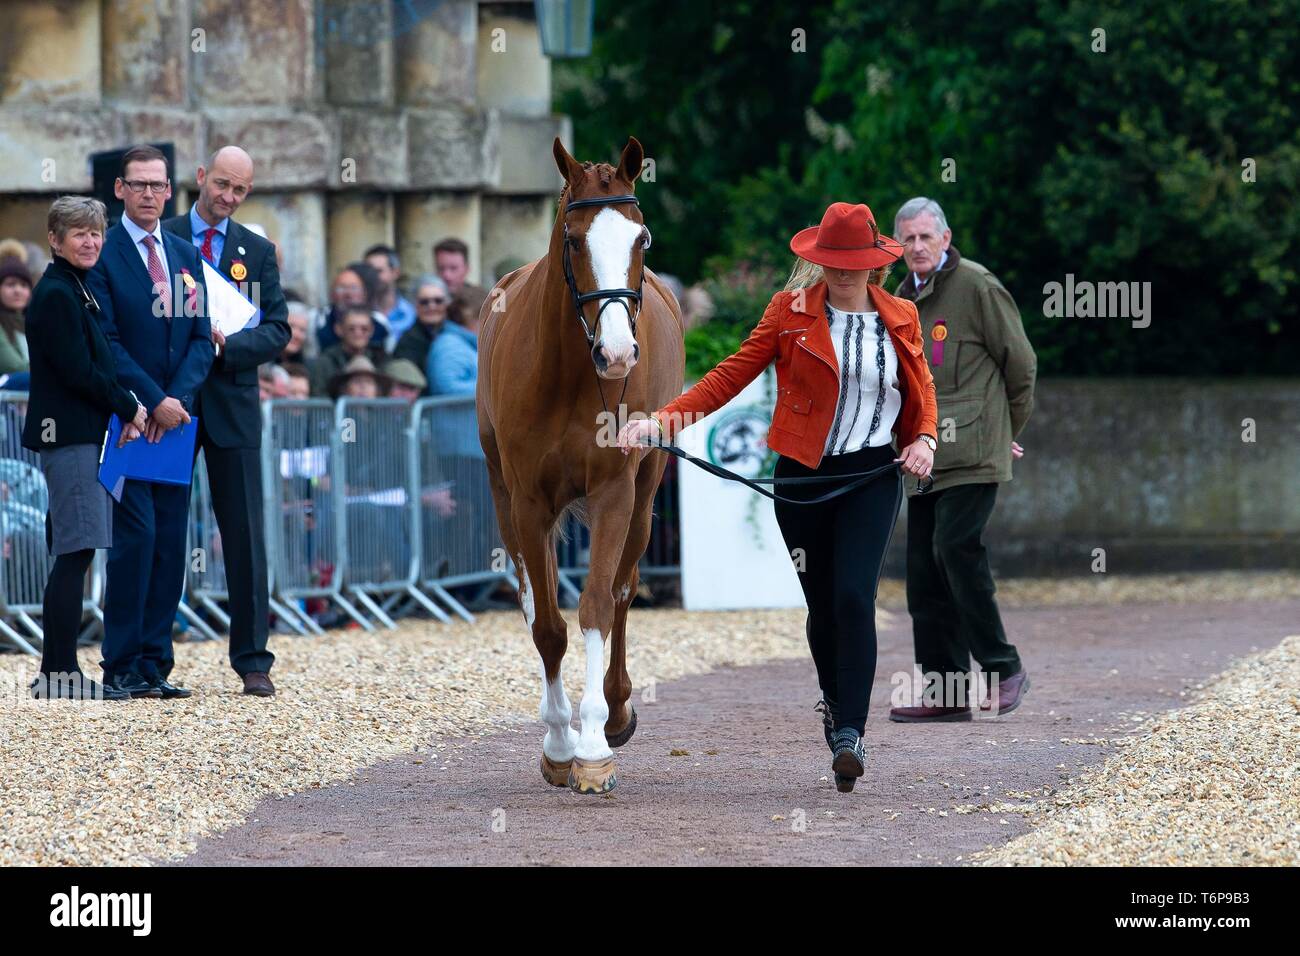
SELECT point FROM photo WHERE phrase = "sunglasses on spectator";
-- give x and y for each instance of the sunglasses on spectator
(435, 300)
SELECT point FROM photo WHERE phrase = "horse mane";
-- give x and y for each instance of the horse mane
(604, 170)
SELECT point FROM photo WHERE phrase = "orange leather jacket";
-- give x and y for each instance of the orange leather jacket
(793, 332)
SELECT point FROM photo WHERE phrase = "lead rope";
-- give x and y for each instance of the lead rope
(863, 477)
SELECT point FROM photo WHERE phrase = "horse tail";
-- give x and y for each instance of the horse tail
(577, 508)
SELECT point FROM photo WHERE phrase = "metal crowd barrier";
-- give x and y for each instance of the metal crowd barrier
(460, 542)
(374, 506)
(304, 539)
(25, 560)
(377, 492)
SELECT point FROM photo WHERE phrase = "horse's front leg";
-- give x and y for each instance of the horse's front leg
(609, 510)
(618, 685)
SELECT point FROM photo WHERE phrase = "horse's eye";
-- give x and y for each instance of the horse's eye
(575, 242)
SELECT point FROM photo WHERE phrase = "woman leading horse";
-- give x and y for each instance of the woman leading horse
(851, 379)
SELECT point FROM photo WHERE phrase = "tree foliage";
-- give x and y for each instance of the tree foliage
(1122, 165)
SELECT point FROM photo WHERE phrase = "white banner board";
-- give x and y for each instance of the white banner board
(732, 552)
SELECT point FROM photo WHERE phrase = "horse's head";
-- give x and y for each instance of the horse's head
(604, 244)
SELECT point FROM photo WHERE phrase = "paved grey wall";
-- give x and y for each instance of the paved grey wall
(369, 120)
(1156, 473)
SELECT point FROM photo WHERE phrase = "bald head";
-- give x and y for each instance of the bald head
(224, 183)
(232, 157)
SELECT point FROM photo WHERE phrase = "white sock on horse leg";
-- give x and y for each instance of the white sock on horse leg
(555, 710)
(594, 711)
(557, 713)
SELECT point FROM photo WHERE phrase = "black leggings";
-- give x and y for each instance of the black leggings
(61, 618)
(842, 546)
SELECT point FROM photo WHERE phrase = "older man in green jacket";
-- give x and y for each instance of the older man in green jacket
(984, 369)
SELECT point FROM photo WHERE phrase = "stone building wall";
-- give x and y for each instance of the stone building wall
(399, 121)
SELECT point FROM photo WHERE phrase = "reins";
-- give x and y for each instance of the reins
(863, 478)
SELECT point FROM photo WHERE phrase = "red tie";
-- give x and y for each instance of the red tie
(206, 249)
(157, 275)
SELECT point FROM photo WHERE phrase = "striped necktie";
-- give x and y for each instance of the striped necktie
(158, 276)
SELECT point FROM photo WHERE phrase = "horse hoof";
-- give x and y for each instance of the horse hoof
(592, 776)
(556, 774)
(624, 735)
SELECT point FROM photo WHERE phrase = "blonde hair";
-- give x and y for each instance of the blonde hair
(13, 249)
(805, 274)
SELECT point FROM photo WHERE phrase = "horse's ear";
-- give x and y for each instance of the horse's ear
(629, 165)
(566, 164)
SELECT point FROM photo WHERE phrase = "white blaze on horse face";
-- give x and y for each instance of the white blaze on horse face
(611, 238)
(594, 711)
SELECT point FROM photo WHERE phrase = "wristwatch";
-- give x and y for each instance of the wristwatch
(929, 440)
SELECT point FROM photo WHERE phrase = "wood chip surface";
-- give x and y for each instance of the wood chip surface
(109, 783)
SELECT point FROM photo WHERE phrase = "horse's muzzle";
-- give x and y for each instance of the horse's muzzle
(613, 370)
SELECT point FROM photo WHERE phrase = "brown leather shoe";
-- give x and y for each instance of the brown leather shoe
(926, 714)
(257, 684)
(1010, 692)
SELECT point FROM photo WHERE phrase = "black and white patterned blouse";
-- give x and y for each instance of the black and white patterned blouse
(869, 399)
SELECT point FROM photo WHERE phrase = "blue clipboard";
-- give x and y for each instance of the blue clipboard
(170, 462)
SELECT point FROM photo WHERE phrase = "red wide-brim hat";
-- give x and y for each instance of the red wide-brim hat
(846, 239)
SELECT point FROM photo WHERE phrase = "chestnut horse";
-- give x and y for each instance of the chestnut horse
(564, 342)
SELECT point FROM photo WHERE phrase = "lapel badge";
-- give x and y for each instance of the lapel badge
(238, 271)
(937, 335)
(242, 252)
(187, 279)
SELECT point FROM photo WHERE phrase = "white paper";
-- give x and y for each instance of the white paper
(228, 310)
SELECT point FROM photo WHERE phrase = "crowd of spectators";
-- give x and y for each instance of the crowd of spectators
(381, 334)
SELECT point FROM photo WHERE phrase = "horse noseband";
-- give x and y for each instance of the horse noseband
(605, 296)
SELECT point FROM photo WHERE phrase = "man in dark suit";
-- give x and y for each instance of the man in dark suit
(153, 312)
(230, 418)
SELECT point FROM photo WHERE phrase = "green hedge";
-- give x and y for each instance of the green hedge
(1124, 165)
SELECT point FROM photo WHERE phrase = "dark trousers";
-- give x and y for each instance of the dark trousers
(842, 544)
(146, 574)
(950, 587)
(235, 480)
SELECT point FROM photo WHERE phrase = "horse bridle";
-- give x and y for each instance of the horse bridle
(609, 296)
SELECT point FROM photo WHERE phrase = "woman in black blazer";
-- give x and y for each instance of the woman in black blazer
(73, 392)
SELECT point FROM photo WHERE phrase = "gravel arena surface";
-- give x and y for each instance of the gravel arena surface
(432, 731)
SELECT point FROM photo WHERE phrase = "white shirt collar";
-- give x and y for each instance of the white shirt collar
(865, 313)
(919, 282)
(137, 233)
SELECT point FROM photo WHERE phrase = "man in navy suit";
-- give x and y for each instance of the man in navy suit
(153, 311)
(230, 415)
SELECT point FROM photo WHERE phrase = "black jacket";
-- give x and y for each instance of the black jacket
(74, 387)
(415, 343)
(228, 406)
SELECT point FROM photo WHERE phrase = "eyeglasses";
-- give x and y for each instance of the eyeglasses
(138, 186)
(438, 301)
